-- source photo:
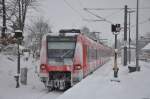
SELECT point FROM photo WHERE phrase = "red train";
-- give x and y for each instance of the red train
(67, 58)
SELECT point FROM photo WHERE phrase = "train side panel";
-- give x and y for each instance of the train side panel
(78, 62)
(94, 55)
(43, 73)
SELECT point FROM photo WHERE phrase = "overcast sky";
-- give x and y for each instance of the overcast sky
(70, 14)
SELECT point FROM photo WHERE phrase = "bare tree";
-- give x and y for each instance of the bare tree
(23, 7)
(37, 29)
(4, 17)
(16, 11)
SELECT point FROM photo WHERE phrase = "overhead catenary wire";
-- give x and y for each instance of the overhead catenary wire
(142, 22)
(120, 9)
(81, 16)
(88, 20)
(103, 8)
(113, 13)
(108, 9)
(142, 8)
(67, 3)
(102, 18)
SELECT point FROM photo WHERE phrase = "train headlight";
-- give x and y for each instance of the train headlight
(77, 67)
(43, 68)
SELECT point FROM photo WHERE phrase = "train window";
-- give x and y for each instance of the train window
(61, 49)
(95, 54)
(61, 45)
(92, 54)
(88, 54)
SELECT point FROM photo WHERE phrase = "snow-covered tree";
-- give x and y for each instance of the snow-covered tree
(16, 11)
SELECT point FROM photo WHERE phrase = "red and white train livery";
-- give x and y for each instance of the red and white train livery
(66, 59)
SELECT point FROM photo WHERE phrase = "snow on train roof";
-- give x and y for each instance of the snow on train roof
(58, 34)
(72, 34)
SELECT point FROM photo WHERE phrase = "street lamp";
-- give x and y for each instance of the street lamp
(19, 37)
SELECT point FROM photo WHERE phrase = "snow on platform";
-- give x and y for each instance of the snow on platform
(34, 88)
(98, 85)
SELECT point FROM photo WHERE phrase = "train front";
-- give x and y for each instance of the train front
(60, 53)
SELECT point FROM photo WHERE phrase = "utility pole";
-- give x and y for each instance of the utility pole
(129, 35)
(125, 36)
(4, 19)
(129, 40)
(137, 35)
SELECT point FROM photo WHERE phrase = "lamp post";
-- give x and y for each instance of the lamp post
(19, 37)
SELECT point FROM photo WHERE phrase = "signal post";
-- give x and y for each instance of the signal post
(115, 30)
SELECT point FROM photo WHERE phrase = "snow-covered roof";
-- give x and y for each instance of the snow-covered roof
(147, 47)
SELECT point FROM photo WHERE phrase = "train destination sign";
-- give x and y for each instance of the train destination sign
(59, 39)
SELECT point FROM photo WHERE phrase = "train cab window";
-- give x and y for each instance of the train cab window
(61, 49)
(61, 53)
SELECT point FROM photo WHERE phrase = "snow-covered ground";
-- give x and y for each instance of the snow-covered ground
(96, 86)
(34, 88)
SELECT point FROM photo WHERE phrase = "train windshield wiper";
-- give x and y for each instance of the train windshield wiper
(68, 52)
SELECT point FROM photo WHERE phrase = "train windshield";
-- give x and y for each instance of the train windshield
(61, 50)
